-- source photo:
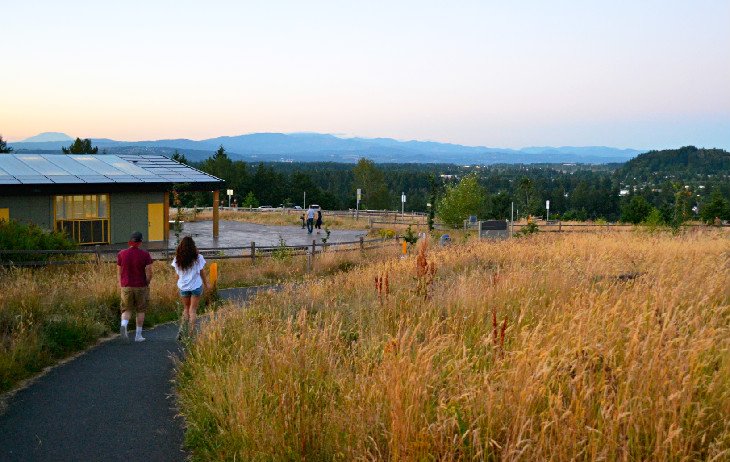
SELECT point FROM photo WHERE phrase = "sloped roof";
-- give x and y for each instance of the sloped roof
(103, 169)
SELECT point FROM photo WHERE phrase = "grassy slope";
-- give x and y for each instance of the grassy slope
(589, 365)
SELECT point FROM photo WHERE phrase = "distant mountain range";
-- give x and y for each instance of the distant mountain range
(316, 147)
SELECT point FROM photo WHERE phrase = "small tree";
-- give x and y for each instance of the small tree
(250, 201)
(4, 149)
(80, 147)
(636, 210)
(460, 201)
(716, 207)
(177, 157)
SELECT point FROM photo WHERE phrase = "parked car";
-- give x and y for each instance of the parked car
(265, 207)
(315, 207)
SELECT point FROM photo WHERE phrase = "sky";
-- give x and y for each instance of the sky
(643, 74)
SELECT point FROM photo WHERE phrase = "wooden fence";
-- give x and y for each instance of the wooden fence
(252, 251)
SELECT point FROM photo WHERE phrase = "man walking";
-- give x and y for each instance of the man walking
(310, 220)
(134, 268)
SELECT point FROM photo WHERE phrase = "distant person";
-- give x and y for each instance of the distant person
(189, 266)
(134, 271)
(310, 220)
(318, 224)
(301, 217)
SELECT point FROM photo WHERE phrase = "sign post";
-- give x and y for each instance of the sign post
(547, 207)
(402, 203)
(230, 193)
(357, 205)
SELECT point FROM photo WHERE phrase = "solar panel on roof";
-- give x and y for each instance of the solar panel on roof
(40, 165)
(15, 167)
(69, 164)
(97, 169)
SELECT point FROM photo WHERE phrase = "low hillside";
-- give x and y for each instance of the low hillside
(685, 163)
(570, 347)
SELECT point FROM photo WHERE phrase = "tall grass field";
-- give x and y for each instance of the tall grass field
(47, 314)
(548, 347)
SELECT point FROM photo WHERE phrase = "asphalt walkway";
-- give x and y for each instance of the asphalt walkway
(115, 402)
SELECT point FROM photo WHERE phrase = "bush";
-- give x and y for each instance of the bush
(386, 233)
(20, 236)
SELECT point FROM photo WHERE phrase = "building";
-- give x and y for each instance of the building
(98, 199)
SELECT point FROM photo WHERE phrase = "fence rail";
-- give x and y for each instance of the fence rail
(251, 251)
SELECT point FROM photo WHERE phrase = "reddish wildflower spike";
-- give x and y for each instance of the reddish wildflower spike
(494, 326)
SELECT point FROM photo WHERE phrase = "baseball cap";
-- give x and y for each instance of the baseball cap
(136, 237)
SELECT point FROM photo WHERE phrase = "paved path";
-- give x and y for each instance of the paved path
(113, 403)
(236, 234)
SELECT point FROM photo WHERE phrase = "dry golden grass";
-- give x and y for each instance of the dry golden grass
(49, 313)
(284, 267)
(552, 347)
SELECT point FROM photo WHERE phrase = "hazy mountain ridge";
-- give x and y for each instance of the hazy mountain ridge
(315, 147)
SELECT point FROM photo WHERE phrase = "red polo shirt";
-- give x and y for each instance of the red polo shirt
(133, 262)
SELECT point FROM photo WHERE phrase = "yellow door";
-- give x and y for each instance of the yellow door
(5, 214)
(155, 228)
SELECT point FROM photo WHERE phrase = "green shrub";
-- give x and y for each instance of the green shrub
(20, 236)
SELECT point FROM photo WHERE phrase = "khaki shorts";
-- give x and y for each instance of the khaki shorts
(135, 298)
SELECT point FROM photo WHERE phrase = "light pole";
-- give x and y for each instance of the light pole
(357, 205)
(304, 206)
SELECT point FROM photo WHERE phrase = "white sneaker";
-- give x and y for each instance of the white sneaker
(123, 333)
(139, 338)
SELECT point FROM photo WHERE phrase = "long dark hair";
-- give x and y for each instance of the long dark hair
(186, 254)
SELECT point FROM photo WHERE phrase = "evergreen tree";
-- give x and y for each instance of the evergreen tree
(80, 147)
(716, 207)
(176, 156)
(4, 149)
(636, 210)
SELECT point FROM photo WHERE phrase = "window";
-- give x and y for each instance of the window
(83, 218)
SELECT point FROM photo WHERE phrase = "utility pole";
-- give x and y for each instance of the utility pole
(357, 205)
(304, 206)
(512, 221)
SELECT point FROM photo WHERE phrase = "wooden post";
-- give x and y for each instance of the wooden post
(253, 251)
(216, 204)
(362, 243)
(166, 217)
(97, 251)
(314, 246)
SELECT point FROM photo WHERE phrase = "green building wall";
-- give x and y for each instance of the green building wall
(30, 209)
(128, 212)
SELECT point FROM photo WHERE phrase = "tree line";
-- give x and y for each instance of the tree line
(663, 187)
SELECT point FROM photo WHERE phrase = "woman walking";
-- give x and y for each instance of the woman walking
(189, 264)
(318, 223)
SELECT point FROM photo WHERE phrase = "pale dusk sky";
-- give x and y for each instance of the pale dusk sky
(639, 74)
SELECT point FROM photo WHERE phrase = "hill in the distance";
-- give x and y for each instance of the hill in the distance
(685, 162)
(316, 147)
